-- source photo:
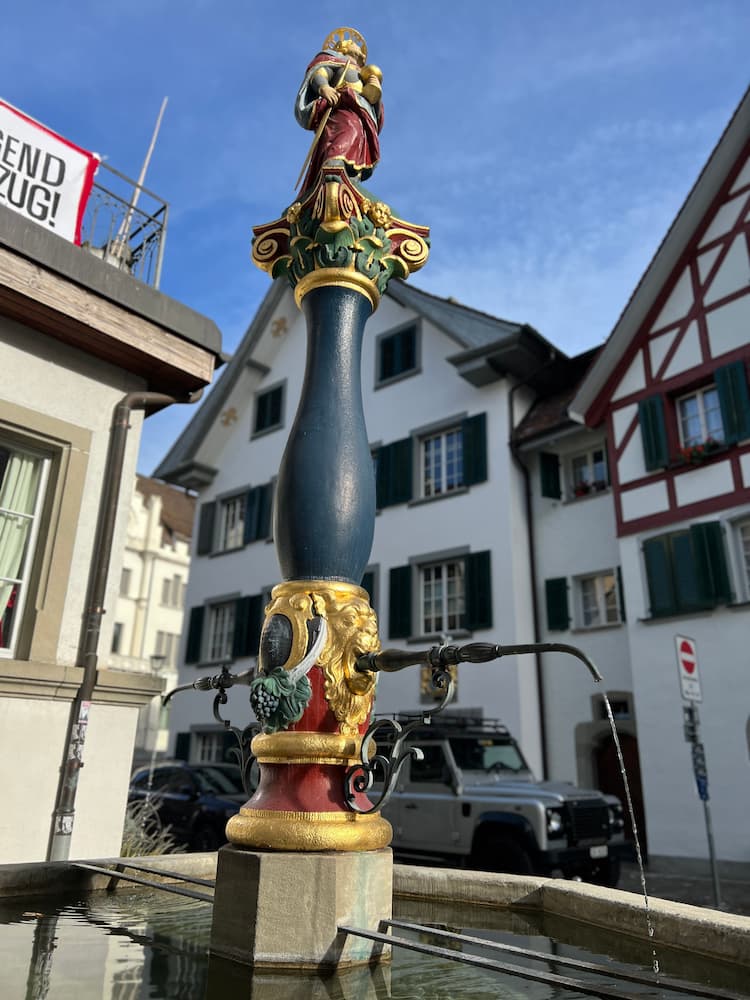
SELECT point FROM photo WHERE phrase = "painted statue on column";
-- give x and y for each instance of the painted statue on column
(338, 245)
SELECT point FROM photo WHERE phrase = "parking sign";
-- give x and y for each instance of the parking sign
(687, 664)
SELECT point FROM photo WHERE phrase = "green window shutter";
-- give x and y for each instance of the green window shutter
(399, 603)
(368, 584)
(475, 449)
(195, 635)
(394, 473)
(206, 528)
(247, 625)
(734, 400)
(621, 594)
(653, 432)
(556, 595)
(478, 593)
(688, 589)
(265, 511)
(658, 562)
(252, 504)
(549, 468)
(711, 571)
(182, 746)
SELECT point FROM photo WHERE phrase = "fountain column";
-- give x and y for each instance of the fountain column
(300, 860)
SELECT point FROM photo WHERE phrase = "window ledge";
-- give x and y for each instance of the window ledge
(384, 383)
(225, 552)
(460, 633)
(460, 491)
(657, 619)
(585, 629)
(588, 496)
(266, 430)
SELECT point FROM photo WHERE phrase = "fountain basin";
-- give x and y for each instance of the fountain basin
(694, 943)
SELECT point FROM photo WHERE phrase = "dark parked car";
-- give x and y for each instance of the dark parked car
(194, 800)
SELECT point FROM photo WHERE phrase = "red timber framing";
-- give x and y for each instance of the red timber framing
(685, 335)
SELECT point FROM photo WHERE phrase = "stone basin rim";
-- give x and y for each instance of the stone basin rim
(700, 930)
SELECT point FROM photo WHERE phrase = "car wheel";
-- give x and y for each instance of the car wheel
(501, 852)
(607, 873)
(206, 838)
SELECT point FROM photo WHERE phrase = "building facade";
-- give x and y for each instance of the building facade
(81, 344)
(148, 617)
(599, 501)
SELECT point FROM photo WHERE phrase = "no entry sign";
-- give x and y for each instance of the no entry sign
(687, 664)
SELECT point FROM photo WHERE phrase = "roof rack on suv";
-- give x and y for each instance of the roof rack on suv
(454, 722)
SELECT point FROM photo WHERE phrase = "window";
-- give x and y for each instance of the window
(718, 412)
(232, 526)
(588, 471)
(116, 637)
(686, 571)
(125, 578)
(442, 462)
(166, 646)
(225, 629)
(396, 354)
(23, 476)
(172, 591)
(208, 747)
(598, 600)
(442, 596)
(242, 518)
(598, 596)
(744, 536)
(221, 619)
(699, 417)
(451, 457)
(433, 767)
(269, 410)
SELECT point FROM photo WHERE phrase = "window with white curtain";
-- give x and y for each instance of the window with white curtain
(23, 476)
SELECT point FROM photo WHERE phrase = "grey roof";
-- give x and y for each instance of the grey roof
(488, 347)
(185, 447)
(674, 244)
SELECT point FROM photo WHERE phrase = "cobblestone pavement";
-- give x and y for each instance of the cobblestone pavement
(697, 890)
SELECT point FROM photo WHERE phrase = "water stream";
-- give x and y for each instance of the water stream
(631, 813)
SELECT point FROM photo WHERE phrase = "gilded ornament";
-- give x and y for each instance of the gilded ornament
(293, 212)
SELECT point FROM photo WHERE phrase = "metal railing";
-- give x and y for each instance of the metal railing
(125, 225)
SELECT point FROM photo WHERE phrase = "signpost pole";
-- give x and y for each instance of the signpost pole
(687, 665)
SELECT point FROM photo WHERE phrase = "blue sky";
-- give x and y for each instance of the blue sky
(548, 145)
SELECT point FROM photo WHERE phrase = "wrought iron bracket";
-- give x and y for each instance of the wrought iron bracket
(220, 683)
(361, 776)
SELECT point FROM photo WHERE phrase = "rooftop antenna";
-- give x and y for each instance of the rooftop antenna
(118, 251)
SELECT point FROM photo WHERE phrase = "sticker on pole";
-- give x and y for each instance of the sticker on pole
(687, 664)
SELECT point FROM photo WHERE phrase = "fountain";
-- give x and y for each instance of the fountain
(304, 891)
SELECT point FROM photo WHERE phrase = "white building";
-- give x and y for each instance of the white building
(83, 345)
(523, 495)
(148, 617)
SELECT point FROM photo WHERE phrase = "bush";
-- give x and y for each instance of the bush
(143, 832)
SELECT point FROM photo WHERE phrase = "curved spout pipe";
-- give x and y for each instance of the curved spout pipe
(438, 657)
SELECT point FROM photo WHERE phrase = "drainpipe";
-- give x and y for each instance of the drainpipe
(514, 450)
(64, 814)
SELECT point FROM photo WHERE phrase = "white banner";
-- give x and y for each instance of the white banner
(43, 176)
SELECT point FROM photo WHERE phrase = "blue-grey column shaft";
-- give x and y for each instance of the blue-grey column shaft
(325, 498)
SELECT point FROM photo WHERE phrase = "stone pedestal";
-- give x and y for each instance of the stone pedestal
(283, 909)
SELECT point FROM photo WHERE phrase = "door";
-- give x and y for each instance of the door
(428, 806)
(609, 780)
